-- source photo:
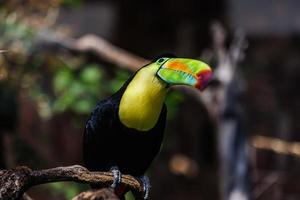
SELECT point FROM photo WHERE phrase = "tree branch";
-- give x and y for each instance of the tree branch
(13, 183)
(98, 45)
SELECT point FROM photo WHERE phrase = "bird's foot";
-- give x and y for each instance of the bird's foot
(146, 186)
(117, 176)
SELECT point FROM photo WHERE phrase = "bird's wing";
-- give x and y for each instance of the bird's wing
(96, 127)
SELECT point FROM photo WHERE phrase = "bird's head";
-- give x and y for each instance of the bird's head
(143, 98)
(183, 71)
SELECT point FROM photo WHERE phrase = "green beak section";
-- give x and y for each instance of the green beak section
(183, 71)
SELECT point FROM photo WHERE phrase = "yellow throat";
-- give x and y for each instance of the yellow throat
(142, 100)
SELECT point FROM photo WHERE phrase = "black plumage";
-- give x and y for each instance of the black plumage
(107, 142)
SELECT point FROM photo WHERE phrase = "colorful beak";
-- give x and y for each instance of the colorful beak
(183, 71)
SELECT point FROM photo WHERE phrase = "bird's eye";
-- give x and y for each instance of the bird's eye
(160, 60)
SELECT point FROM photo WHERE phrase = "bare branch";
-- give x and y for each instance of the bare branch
(110, 52)
(13, 183)
(98, 45)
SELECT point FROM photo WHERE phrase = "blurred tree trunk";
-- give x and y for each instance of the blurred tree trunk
(230, 116)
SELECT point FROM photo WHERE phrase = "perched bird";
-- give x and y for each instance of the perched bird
(125, 131)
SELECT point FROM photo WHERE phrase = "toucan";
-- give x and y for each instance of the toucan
(124, 132)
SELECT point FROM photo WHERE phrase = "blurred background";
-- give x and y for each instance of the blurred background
(238, 140)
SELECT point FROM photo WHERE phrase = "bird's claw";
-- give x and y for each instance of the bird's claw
(146, 186)
(117, 176)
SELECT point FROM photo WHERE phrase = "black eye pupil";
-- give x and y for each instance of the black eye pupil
(160, 60)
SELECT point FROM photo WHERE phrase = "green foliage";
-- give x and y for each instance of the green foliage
(62, 80)
(116, 83)
(67, 189)
(173, 100)
(91, 74)
(77, 90)
(15, 32)
(129, 196)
